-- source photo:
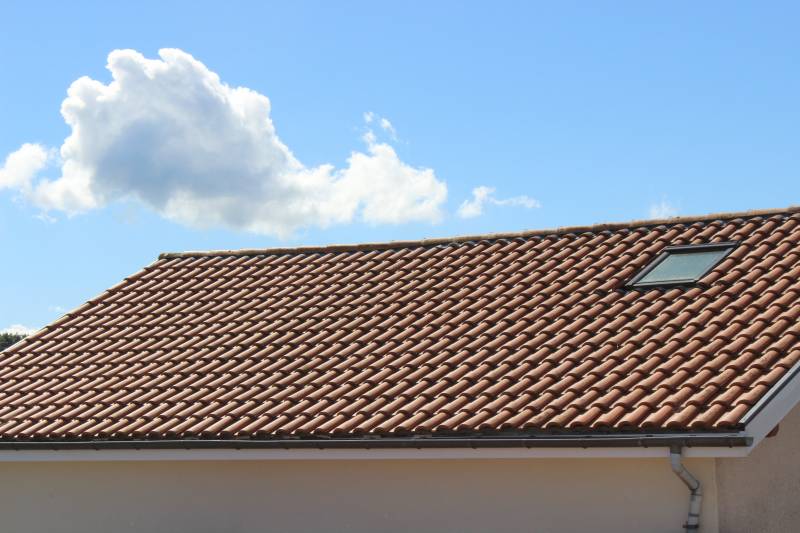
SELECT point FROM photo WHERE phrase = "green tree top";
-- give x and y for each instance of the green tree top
(7, 339)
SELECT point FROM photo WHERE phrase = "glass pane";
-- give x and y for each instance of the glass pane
(683, 266)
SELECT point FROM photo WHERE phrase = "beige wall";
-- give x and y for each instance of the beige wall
(539, 495)
(761, 492)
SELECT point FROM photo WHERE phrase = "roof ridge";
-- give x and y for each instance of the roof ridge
(603, 226)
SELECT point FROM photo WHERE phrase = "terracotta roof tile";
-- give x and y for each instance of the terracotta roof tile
(510, 333)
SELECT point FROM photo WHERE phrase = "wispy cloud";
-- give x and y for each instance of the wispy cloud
(370, 118)
(388, 128)
(169, 133)
(18, 329)
(485, 195)
(662, 209)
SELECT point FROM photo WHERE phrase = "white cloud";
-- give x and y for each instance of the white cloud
(474, 207)
(485, 195)
(21, 166)
(170, 134)
(663, 209)
(47, 219)
(17, 329)
(385, 124)
(388, 128)
(369, 137)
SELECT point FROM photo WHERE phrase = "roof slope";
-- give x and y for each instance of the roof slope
(517, 334)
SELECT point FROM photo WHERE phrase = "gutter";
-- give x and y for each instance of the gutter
(695, 489)
(617, 441)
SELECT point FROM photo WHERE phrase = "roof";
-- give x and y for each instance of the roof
(525, 334)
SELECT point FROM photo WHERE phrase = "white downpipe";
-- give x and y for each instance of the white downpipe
(696, 492)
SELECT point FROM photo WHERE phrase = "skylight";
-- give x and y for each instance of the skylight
(681, 265)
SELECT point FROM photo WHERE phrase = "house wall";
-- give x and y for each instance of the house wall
(541, 495)
(761, 492)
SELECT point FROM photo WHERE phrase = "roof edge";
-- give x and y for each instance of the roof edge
(605, 226)
(627, 441)
(774, 406)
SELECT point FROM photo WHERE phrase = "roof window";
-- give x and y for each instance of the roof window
(681, 265)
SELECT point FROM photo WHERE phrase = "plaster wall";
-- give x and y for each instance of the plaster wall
(541, 495)
(760, 493)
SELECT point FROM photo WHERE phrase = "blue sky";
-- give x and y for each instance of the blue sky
(574, 113)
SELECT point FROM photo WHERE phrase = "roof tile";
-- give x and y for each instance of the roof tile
(522, 333)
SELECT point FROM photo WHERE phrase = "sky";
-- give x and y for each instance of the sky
(131, 129)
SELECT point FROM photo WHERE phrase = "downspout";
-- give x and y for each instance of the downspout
(696, 492)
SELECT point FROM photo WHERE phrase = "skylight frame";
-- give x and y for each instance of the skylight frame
(635, 283)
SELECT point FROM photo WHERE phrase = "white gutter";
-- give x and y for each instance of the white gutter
(358, 454)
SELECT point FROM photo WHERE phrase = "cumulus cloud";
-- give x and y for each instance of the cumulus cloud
(21, 166)
(169, 133)
(485, 195)
(663, 209)
(17, 329)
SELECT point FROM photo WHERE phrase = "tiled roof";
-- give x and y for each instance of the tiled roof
(506, 334)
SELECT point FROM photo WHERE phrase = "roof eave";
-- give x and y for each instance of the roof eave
(413, 448)
(583, 441)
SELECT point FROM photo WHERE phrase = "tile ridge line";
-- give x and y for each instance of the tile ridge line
(388, 245)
